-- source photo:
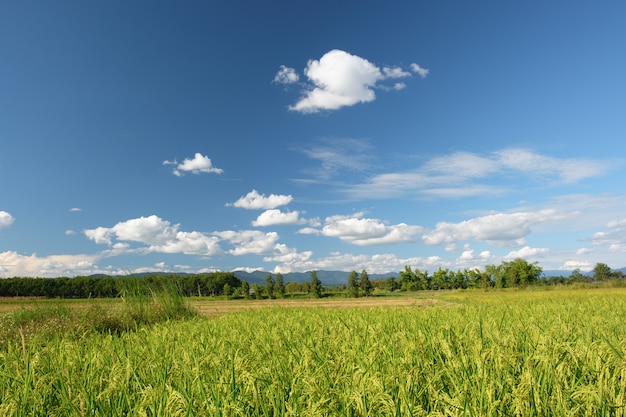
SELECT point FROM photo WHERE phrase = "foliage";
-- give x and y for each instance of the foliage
(280, 285)
(365, 284)
(103, 287)
(316, 285)
(353, 284)
(269, 286)
(47, 321)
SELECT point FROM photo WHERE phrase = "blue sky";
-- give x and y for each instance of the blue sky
(284, 136)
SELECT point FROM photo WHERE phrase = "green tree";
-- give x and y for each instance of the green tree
(423, 279)
(408, 279)
(269, 286)
(280, 285)
(459, 280)
(227, 290)
(316, 285)
(440, 278)
(353, 284)
(602, 272)
(245, 289)
(293, 287)
(391, 284)
(366, 284)
(496, 274)
(519, 272)
(257, 291)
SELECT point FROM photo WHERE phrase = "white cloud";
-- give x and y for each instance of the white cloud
(254, 201)
(6, 219)
(423, 72)
(614, 235)
(249, 241)
(12, 264)
(286, 75)
(566, 170)
(395, 72)
(198, 165)
(365, 232)
(527, 252)
(502, 227)
(286, 255)
(341, 79)
(275, 217)
(582, 265)
(157, 235)
(75, 209)
(70, 232)
(373, 264)
(457, 174)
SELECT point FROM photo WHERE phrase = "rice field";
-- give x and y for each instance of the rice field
(465, 353)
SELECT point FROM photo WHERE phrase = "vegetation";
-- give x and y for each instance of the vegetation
(509, 274)
(474, 353)
(139, 307)
(316, 285)
(110, 287)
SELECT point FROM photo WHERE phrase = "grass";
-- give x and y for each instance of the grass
(43, 321)
(469, 353)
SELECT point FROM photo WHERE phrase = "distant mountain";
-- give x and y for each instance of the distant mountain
(327, 277)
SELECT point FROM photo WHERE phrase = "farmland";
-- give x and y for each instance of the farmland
(518, 352)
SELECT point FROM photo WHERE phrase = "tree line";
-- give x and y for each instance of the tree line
(109, 287)
(508, 274)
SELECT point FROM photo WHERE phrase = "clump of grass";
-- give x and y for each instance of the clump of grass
(139, 307)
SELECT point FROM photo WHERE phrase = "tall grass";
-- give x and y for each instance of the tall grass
(139, 306)
(530, 354)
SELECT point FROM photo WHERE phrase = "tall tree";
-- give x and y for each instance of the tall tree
(316, 285)
(269, 286)
(245, 289)
(408, 279)
(601, 272)
(353, 284)
(227, 290)
(391, 284)
(280, 285)
(366, 284)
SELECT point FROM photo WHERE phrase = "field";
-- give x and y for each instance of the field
(462, 353)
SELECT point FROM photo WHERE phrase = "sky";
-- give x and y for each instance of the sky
(280, 136)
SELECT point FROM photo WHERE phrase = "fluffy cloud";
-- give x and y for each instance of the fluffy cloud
(286, 75)
(254, 201)
(499, 227)
(365, 232)
(527, 252)
(6, 219)
(339, 79)
(12, 264)
(275, 217)
(373, 264)
(198, 165)
(249, 241)
(288, 256)
(157, 235)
